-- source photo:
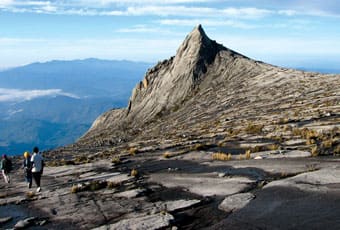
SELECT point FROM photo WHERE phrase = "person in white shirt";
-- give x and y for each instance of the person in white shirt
(37, 167)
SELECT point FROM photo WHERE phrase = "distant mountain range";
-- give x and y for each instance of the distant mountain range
(52, 104)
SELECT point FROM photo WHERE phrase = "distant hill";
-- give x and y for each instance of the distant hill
(52, 104)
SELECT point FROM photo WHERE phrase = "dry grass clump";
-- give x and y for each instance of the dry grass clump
(221, 156)
(30, 194)
(315, 151)
(81, 160)
(116, 160)
(233, 132)
(111, 184)
(323, 143)
(133, 151)
(134, 173)
(246, 155)
(91, 186)
(167, 154)
(337, 150)
(273, 147)
(254, 128)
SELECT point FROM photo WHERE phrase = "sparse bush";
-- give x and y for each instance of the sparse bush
(221, 156)
(337, 150)
(315, 151)
(327, 143)
(133, 151)
(80, 160)
(30, 195)
(96, 185)
(91, 186)
(247, 154)
(254, 128)
(273, 147)
(111, 185)
(134, 173)
(115, 160)
(167, 155)
(75, 188)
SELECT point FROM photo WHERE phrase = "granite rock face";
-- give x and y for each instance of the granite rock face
(208, 92)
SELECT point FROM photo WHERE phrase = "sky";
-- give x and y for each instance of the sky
(281, 32)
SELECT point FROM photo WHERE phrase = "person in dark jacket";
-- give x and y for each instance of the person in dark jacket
(6, 167)
(28, 169)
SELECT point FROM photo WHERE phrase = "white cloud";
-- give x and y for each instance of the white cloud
(14, 95)
(6, 3)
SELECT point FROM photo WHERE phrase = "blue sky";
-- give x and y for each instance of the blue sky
(288, 33)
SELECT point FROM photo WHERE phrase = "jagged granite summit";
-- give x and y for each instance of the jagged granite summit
(207, 87)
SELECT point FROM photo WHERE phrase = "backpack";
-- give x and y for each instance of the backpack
(9, 165)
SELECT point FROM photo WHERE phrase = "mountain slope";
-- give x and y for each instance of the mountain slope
(207, 93)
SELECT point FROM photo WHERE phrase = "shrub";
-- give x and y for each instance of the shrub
(134, 173)
(91, 186)
(115, 160)
(253, 128)
(327, 143)
(221, 156)
(247, 154)
(315, 151)
(273, 147)
(30, 195)
(111, 185)
(337, 150)
(167, 155)
(133, 151)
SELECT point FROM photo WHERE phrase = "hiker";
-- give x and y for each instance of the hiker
(37, 167)
(28, 169)
(6, 167)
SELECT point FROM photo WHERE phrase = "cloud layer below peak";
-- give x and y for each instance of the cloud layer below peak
(17, 95)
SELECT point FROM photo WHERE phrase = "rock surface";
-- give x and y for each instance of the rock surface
(236, 202)
(151, 222)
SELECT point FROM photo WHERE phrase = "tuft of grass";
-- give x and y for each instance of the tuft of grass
(221, 156)
(133, 151)
(111, 185)
(337, 150)
(254, 128)
(75, 188)
(30, 195)
(167, 154)
(247, 154)
(327, 143)
(315, 151)
(273, 147)
(115, 160)
(92, 186)
(134, 173)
